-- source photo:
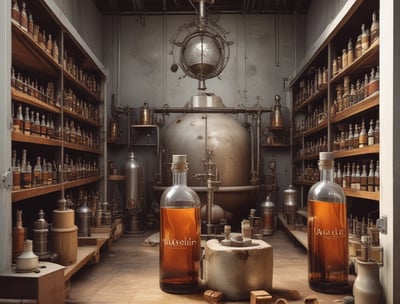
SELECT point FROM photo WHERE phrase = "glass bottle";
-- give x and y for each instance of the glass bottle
(376, 132)
(327, 232)
(364, 38)
(350, 52)
(371, 177)
(356, 136)
(23, 18)
(27, 122)
(16, 170)
(374, 28)
(37, 173)
(376, 177)
(179, 232)
(18, 236)
(371, 132)
(364, 178)
(363, 136)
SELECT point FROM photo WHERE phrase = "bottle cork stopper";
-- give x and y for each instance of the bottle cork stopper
(326, 156)
(178, 158)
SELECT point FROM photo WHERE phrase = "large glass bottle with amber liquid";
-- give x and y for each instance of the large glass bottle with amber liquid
(327, 232)
(180, 229)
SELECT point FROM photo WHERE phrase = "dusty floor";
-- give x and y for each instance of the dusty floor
(128, 273)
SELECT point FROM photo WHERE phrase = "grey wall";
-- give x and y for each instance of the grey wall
(319, 15)
(87, 20)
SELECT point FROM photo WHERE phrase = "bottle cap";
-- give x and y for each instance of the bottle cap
(326, 156)
(177, 158)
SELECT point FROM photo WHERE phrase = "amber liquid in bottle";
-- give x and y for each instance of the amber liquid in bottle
(180, 230)
(328, 246)
(179, 252)
(327, 232)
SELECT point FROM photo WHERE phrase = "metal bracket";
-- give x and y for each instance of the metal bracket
(381, 224)
(7, 179)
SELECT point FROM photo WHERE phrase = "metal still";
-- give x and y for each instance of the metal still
(290, 204)
(196, 134)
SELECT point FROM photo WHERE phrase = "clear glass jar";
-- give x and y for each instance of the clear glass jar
(327, 232)
(180, 230)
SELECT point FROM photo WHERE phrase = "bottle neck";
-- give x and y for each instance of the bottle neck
(179, 177)
(326, 170)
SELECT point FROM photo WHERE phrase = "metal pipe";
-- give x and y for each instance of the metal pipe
(258, 133)
(211, 110)
(219, 189)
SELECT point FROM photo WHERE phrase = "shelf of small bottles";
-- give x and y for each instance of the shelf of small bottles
(319, 94)
(32, 55)
(372, 195)
(322, 126)
(19, 195)
(33, 101)
(369, 102)
(37, 140)
(371, 149)
(81, 118)
(367, 59)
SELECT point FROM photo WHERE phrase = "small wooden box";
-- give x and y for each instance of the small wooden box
(260, 297)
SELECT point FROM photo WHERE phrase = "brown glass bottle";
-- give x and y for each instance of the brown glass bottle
(179, 233)
(327, 232)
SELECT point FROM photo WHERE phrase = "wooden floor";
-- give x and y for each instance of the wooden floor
(128, 273)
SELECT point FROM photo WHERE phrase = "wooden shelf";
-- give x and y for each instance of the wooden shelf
(27, 99)
(321, 93)
(81, 118)
(372, 149)
(36, 140)
(368, 103)
(29, 54)
(299, 233)
(368, 59)
(19, 195)
(362, 194)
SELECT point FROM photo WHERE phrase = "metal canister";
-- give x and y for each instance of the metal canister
(40, 236)
(268, 216)
(146, 115)
(134, 194)
(83, 216)
(290, 204)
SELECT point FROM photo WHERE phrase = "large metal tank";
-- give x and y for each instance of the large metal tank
(227, 141)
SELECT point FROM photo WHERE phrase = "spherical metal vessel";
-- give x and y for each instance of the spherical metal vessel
(202, 55)
(226, 141)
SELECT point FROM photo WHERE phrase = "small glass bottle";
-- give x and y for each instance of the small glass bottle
(356, 136)
(179, 232)
(371, 177)
(364, 38)
(37, 173)
(350, 52)
(23, 18)
(374, 28)
(376, 177)
(376, 132)
(363, 136)
(371, 133)
(364, 178)
(327, 232)
(18, 236)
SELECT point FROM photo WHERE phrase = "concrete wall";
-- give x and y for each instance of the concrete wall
(87, 20)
